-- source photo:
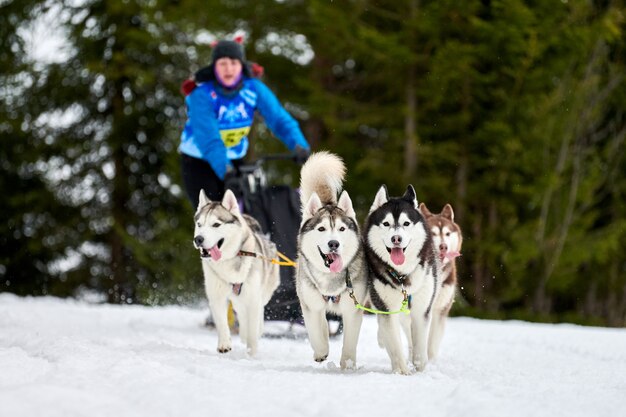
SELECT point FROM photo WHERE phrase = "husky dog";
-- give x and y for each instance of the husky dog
(447, 239)
(401, 256)
(227, 240)
(330, 257)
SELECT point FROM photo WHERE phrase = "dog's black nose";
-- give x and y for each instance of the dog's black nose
(443, 247)
(333, 245)
(198, 240)
(396, 239)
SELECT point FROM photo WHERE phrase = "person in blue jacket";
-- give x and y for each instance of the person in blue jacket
(221, 101)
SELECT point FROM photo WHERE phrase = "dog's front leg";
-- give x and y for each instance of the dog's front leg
(440, 311)
(437, 327)
(420, 324)
(219, 309)
(317, 328)
(254, 314)
(352, 319)
(389, 334)
(242, 311)
(405, 324)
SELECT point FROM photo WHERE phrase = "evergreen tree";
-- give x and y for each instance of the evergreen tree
(510, 110)
(27, 247)
(112, 207)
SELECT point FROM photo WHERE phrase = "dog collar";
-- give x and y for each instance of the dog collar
(333, 298)
(336, 298)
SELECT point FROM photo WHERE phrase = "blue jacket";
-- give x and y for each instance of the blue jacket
(218, 125)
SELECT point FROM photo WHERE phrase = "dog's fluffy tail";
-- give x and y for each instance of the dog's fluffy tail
(323, 173)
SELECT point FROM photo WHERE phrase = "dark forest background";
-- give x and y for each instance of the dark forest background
(513, 111)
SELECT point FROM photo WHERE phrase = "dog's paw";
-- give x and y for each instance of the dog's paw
(224, 349)
(400, 367)
(348, 364)
(320, 358)
(401, 370)
(419, 365)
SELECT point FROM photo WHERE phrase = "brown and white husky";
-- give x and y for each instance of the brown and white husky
(447, 239)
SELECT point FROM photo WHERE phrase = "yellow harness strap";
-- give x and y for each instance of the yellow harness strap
(285, 261)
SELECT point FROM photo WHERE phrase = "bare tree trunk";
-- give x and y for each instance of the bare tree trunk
(621, 319)
(461, 187)
(478, 262)
(313, 131)
(410, 128)
(314, 128)
(410, 119)
(120, 290)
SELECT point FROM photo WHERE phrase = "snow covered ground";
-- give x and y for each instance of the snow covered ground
(68, 358)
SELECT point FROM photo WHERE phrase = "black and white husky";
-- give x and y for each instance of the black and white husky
(226, 239)
(401, 257)
(330, 257)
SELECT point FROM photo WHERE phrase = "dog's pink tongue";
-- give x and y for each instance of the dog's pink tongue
(397, 256)
(452, 254)
(215, 253)
(336, 263)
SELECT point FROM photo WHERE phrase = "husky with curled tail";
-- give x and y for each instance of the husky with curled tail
(331, 263)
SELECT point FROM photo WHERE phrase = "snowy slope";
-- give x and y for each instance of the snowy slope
(67, 358)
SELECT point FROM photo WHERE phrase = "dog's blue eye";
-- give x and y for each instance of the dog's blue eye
(407, 223)
(321, 229)
(386, 224)
(216, 224)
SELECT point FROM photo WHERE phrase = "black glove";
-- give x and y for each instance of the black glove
(300, 154)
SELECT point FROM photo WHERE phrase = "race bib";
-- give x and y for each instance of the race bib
(232, 137)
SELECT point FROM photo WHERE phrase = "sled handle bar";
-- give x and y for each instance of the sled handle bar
(274, 157)
(265, 158)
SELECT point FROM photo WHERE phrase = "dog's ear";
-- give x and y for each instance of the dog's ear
(311, 207)
(424, 210)
(230, 202)
(345, 203)
(203, 200)
(381, 198)
(410, 196)
(447, 212)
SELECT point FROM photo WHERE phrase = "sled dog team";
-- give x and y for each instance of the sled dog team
(403, 257)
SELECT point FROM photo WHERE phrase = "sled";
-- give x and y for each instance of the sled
(277, 209)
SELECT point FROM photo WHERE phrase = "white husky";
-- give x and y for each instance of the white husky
(330, 257)
(226, 239)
